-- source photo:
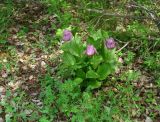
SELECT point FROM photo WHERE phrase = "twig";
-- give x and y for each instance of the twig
(115, 15)
(152, 16)
(122, 47)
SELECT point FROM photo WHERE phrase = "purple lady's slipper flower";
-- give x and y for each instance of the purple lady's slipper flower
(67, 35)
(91, 50)
(110, 43)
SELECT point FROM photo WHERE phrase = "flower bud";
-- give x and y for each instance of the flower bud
(67, 35)
(91, 50)
(110, 43)
(120, 60)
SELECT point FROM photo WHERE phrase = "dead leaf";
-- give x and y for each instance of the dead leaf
(148, 119)
(4, 73)
(15, 85)
(1, 120)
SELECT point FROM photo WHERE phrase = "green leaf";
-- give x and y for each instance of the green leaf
(103, 71)
(8, 118)
(3, 41)
(94, 85)
(68, 59)
(78, 117)
(43, 119)
(1, 66)
(96, 35)
(96, 38)
(92, 74)
(70, 85)
(49, 96)
(74, 47)
(65, 47)
(77, 81)
(96, 43)
(96, 60)
(105, 34)
(9, 109)
(80, 73)
(109, 55)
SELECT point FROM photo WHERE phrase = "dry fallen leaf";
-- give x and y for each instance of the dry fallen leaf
(148, 119)
(15, 85)
(43, 64)
(2, 90)
(1, 120)
(4, 73)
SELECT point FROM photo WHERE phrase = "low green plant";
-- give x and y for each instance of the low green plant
(67, 101)
(91, 61)
(6, 11)
(130, 57)
(15, 107)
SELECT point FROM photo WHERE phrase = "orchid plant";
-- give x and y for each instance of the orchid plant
(90, 61)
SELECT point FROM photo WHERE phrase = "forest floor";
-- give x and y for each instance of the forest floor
(30, 50)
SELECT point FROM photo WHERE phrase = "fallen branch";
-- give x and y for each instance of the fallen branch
(115, 15)
(152, 16)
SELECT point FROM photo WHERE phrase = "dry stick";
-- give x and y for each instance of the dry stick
(152, 16)
(115, 15)
(122, 47)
